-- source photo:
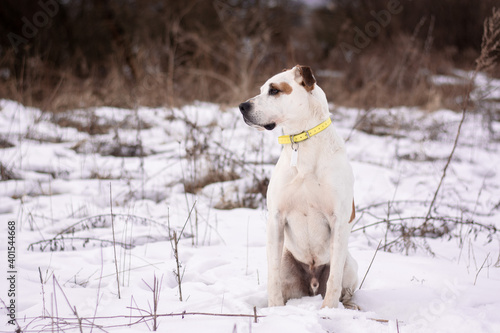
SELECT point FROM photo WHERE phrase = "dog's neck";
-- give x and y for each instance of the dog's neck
(317, 106)
(316, 147)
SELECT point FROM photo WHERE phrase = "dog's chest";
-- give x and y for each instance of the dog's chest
(307, 209)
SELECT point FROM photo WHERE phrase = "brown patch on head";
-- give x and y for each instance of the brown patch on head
(283, 87)
(353, 213)
(305, 77)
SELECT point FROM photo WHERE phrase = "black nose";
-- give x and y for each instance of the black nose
(245, 108)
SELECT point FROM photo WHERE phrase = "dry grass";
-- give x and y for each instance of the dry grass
(91, 125)
(212, 176)
(372, 80)
(252, 196)
(375, 80)
(172, 57)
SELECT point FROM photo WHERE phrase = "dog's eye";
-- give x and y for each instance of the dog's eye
(273, 91)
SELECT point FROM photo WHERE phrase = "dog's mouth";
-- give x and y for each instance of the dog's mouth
(268, 127)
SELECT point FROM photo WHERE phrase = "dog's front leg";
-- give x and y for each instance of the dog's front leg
(275, 239)
(338, 255)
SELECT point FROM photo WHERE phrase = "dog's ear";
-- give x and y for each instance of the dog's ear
(305, 77)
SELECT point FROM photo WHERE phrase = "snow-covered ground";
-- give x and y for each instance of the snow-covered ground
(71, 193)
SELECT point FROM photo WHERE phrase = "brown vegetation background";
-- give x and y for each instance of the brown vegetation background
(165, 53)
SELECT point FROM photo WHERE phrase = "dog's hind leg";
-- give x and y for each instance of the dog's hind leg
(338, 256)
(349, 283)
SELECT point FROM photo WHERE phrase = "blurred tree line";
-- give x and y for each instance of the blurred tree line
(59, 54)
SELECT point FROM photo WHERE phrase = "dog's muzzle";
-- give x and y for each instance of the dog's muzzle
(245, 109)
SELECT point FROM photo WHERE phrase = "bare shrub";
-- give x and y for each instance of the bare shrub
(6, 173)
(252, 195)
(4, 143)
(210, 177)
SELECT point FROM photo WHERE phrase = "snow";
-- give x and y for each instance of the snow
(73, 192)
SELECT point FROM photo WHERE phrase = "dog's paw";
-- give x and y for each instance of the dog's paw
(351, 306)
(332, 298)
(346, 299)
(327, 304)
(272, 304)
(276, 301)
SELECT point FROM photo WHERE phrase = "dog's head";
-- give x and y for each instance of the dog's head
(284, 97)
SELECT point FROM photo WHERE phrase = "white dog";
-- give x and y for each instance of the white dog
(310, 195)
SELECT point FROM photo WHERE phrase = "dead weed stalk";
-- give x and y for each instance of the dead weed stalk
(490, 48)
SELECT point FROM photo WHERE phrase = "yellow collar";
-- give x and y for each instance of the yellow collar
(284, 139)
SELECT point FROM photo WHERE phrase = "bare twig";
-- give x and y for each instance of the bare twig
(73, 308)
(98, 291)
(140, 311)
(71, 322)
(114, 242)
(457, 137)
(422, 202)
(178, 266)
(481, 268)
(98, 217)
(156, 288)
(54, 302)
(175, 248)
(490, 48)
(358, 122)
(43, 291)
(389, 206)
(456, 220)
(370, 266)
(48, 242)
(150, 316)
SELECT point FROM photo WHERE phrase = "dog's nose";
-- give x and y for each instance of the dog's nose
(245, 107)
